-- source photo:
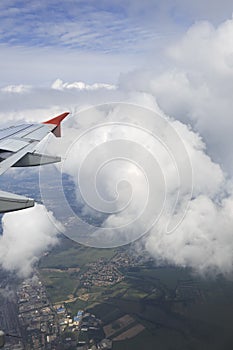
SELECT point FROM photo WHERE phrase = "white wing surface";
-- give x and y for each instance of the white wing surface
(17, 149)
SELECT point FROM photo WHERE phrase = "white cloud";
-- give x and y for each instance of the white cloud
(26, 236)
(16, 89)
(92, 41)
(195, 88)
(80, 85)
(210, 183)
(208, 178)
(203, 241)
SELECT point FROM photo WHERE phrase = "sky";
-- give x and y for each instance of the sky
(164, 70)
(93, 40)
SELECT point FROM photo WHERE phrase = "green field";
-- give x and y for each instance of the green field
(59, 285)
(71, 254)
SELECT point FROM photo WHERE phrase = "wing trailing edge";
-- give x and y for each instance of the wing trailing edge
(34, 159)
(11, 202)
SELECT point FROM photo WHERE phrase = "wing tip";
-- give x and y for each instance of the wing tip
(57, 120)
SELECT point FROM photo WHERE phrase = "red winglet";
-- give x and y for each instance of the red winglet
(57, 121)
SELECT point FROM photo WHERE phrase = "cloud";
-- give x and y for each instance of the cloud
(203, 241)
(39, 66)
(36, 104)
(74, 24)
(79, 85)
(117, 26)
(16, 89)
(192, 90)
(197, 242)
(26, 236)
(196, 85)
(92, 41)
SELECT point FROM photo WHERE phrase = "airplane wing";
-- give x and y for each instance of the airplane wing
(18, 149)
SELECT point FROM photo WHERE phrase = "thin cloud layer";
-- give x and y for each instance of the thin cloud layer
(93, 41)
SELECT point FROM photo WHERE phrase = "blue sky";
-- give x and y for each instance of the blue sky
(42, 40)
(88, 25)
(74, 24)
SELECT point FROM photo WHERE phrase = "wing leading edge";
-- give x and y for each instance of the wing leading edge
(17, 149)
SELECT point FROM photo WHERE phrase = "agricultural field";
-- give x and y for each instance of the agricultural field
(71, 254)
(168, 305)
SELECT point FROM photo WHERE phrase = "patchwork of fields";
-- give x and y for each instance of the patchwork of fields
(149, 307)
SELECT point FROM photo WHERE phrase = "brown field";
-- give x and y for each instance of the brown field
(130, 333)
(121, 323)
(70, 269)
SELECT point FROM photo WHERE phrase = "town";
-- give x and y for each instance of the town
(105, 272)
(44, 326)
(96, 313)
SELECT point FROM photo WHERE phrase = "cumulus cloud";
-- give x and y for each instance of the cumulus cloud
(80, 85)
(196, 86)
(203, 241)
(193, 94)
(91, 160)
(211, 189)
(26, 236)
